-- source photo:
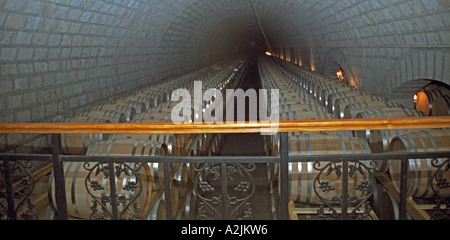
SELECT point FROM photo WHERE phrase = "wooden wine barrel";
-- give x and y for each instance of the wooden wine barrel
(156, 98)
(441, 107)
(341, 103)
(384, 113)
(420, 171)
(113, 117)
(175, 197)
(306, 107)
(320, 87)
(426, 98)
(195, 148)
(134, 147)
(293, 101)
(294, 115)
(158, 207)
(379, 139)
(138, 106)
(387, 206)
(148, 102)
(153, 116)
(216, 144)
(128, 111)
(77, 144)
(331, 98)
(176, 143)
(181, 179)
(188, 209)
(351, 110)
(39, 196)
(79, 201)
(326, 92)
(168, 106)
(302, 175)
(168, 139)
(275, 141)
(289, 94)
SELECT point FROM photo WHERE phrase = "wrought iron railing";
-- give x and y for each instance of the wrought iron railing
(111, 204)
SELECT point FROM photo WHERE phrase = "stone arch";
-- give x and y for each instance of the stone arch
(415, 65)
(333, 60)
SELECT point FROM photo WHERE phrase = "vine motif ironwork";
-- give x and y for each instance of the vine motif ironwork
(216, 202)
(328, 188)
(440, 186)
(17, 197)
(97, 186)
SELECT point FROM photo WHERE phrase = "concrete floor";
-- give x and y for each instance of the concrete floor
(252, 145)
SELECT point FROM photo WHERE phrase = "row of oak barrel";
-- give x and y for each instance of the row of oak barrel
(434, 100)
(150, 104)
(306, 95)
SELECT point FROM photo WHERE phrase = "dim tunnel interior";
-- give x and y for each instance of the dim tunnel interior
(58, 58)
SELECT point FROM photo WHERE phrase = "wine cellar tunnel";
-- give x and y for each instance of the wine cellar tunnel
(69, 61)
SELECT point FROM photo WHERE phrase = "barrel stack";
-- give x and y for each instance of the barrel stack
(432, 100)
(347, 102)
(145, 105)
(302, 97)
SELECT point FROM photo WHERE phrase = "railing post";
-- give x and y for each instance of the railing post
(113, 194)
(58, 170)
(403, 189)
(224, 178)
(284, 165)
(344, 215)
(167, 191)
(11, 215)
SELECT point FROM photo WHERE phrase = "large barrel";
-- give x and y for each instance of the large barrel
(156, 97)
(299, 100)
(187, 210)
(157, 207)
(311, 107)
(292, 94)
(302, 176)
(78, 143)
(134, 147)
(342, 94)
(316, 86)
(384, 113)
(305, 115)
(128, 111)
(320, 90)
(195, 147)
(426, 98)
(168, 139)
(379, 139)
(138, 106)
(340, 103)
(323, 98)
(420, 171)
(182, 178)
(351, 110)
(176, 143)
(441, 107)
(147, 101)
(80, 202)
(113, 117)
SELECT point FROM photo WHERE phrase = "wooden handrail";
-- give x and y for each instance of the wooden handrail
(248, 127)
